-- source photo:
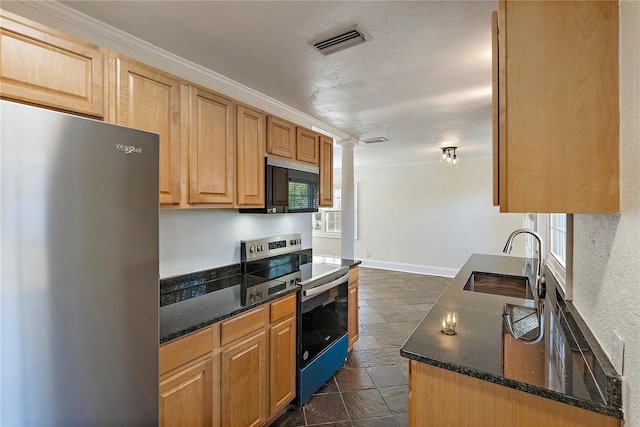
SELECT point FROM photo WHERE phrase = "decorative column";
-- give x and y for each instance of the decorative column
(347, 233)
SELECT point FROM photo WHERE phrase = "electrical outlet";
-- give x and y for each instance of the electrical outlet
(368, 254)
(617, 352)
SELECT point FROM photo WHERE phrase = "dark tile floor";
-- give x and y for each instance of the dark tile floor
(371, 390)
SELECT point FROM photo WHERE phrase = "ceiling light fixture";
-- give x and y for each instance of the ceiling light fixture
(449, 160)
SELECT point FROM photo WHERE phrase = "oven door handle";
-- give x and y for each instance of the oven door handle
(322, 288)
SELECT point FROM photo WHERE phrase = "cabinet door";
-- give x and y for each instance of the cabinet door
(307, 146)
(282, 364)
(149, 99)
(243, 383)
(281, 137)
(186, 397)
(353, 328)
(495, 104)
(211, 148)
(439, 397)
(326, 171)
(250, 148)
(352, 304)
(559, 113)
(44, 67)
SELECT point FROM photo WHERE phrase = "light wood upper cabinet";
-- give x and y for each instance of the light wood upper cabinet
(326, 171)
(211, 148)
(51, 69)
(307, 146)
(557, 126)
(250, 153)
(149, 99)
(287, 141)
(281, 137)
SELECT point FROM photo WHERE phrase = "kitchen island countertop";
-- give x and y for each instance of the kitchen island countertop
(574, 369)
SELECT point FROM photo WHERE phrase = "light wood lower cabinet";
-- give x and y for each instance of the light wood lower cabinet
(186, 397)
(439, 397)
(243, 386)
(282, 354)
(48, 68)
(189, 380)
(240, 372)
(352, 304)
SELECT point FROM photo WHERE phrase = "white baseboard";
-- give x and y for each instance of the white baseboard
(410, 268)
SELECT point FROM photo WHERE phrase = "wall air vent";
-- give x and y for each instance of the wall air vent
(341, 40)
(375, 140)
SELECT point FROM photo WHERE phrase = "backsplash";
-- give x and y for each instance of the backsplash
(204, 239)
(186, 286)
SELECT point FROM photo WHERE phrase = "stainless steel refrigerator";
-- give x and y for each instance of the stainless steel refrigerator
(78, 270)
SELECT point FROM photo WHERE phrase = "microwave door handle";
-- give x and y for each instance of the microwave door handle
(322, 288)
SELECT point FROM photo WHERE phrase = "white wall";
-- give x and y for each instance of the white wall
(200, 239)
(607, 247)
(427, 218)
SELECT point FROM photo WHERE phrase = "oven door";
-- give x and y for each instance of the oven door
(322, 334)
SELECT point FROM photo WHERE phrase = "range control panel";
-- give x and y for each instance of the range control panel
(251, 250)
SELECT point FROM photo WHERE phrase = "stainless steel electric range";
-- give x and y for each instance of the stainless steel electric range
(322, 305)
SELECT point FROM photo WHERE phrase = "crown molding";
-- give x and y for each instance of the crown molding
(213, 80)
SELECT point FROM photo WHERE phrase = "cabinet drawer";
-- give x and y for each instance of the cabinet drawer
(282, 308)
(242, 325)
(183, 350)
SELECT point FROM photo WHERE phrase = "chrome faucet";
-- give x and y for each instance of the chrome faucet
(540, 286)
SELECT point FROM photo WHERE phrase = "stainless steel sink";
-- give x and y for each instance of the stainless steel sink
(497, 284)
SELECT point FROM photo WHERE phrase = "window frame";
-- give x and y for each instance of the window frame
(562, 270)
(337, 200)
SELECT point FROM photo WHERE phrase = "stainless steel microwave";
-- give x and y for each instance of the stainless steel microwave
(289, 187)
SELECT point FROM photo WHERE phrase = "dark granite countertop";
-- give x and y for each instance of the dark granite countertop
(195, 307)
(568, 365)
(196, 300)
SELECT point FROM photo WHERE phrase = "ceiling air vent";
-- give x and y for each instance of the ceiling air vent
(341, 40)
(375, 140)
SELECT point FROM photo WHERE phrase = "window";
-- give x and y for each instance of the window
(530, 222)
(328, 220)
(560, 252)
(558, 238)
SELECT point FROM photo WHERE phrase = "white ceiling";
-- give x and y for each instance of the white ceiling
(422, 81)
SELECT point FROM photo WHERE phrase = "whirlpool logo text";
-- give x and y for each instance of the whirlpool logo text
(129, 149)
